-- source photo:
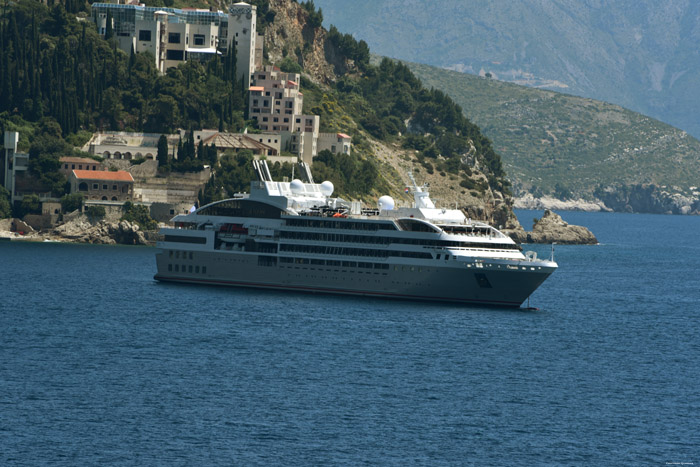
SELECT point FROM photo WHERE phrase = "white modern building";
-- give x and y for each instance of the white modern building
(12, 162)
(174, 36)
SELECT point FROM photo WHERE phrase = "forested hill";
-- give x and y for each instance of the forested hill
(62, 81)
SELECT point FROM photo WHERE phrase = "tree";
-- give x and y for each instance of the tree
(31, 204)
(5, 207)
(71, 202)
(162, 151)
(139, 214)
(95, 213)
(109, 32)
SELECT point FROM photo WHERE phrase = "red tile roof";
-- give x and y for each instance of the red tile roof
(343, 135)
(118, 176)
(256, 88)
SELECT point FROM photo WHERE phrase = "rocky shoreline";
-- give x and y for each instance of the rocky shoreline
(551, 228)
(80, 230)
(642, 199)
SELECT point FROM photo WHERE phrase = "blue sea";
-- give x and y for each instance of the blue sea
(99, 364)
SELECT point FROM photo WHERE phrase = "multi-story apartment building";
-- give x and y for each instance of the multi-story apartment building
(174, 36)
(276, 103)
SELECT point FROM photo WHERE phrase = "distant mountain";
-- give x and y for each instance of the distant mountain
(641, 54)
(547, 139)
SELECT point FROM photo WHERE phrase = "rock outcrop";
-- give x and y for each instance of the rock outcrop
(103, 232)
(551, 228)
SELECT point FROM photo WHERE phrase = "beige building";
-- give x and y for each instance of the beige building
(103, 185)
(123, 145)
(337, 143)
(275, 103)
(68, 164)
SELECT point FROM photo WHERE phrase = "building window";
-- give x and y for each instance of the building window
(199, 39)
(175, 55)
(95, 186)
(144, 35)
(83, 187)
(104, 187)
(114, 187)
(174, 38)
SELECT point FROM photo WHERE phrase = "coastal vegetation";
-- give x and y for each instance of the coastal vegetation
(61, 81)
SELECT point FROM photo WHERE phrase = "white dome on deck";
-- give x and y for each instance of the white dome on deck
(297, 186)
(385, 203)
(327, 188)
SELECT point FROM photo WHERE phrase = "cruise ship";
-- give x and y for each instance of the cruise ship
(296, 236)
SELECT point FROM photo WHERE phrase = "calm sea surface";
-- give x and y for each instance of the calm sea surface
(99, 364)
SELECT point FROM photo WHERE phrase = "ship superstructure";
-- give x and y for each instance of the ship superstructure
(296, 236)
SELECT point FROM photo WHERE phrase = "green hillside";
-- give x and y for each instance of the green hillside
(546, 138)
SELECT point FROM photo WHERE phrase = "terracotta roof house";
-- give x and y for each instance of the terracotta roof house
(103, 185)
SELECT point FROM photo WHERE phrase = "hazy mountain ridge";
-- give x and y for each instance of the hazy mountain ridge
(584, 146)
(642, 54)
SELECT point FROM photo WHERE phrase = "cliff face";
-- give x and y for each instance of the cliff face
(291, 35)
(649, 199)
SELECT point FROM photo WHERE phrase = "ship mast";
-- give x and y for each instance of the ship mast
(421, 198)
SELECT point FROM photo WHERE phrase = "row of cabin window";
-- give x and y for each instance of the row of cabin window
(331, 250)
(330, 262)
(340, 224)
(187, 268)
(177, 253)
(344, 238)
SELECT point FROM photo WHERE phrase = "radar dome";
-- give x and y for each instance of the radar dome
(297, 186)
(327, 188)
(385, 203)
